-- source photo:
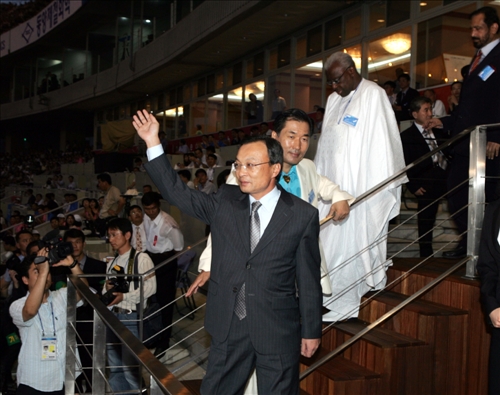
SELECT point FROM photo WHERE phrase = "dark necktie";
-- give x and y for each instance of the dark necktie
(438, 158)
(476, 61)
(241, 309)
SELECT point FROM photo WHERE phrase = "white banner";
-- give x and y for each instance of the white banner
(30, 31)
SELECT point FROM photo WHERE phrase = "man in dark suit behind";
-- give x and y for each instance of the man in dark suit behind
(428, 179)
(253, 314)
(488, 267)
(479, 105)
(85, 313)
(404, 98)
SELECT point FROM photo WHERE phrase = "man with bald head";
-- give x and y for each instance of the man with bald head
(359, 147)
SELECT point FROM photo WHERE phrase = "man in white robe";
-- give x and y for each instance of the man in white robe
(359, 147)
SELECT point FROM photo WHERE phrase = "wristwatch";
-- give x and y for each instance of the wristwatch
(73, 264)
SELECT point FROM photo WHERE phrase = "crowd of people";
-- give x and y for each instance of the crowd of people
(265, 243)
(13, 14)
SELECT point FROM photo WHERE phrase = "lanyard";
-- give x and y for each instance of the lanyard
(53, 321)
(349, 102)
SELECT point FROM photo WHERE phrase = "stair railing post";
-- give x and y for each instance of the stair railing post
(71, 348)
(477, 172)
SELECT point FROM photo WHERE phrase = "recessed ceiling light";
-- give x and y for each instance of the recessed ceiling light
(423, 4)
(380, 20)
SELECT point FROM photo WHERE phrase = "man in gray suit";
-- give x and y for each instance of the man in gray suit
(253, 314)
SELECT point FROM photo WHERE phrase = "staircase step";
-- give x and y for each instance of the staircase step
(396, 357)
(443, 327)
(338, 376)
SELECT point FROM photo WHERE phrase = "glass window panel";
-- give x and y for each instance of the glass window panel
(201, 87)
(308, 85)
(198, 116)
(388, 54)
(284, 53)
(161, 101)
(258, 64)
(254, 102)
(397, 11)
(429, 4)
(179, 96)
(234, 107)
(314, 40)
(249, 73)
(278, 87)
(196, 3)
(172, 97)
(273, 59)
(237, 71)
(219, 80)
(183, 9)
(301, 47)
(377, 15)
(187, 92)
(211, 83)
(443, 48)
(355, 52)
(352, 27)
(333, 33)
(215, 113)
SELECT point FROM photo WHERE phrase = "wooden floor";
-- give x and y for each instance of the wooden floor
(437, 345)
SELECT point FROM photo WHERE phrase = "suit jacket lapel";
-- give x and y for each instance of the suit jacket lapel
(241, 211)
(282, 214)
(496, 228)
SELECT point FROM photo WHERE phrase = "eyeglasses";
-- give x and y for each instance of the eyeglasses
(337, 80)
(248, 166)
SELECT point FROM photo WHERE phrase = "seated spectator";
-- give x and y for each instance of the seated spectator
(187, 163)
(93, 213)
(3, 222)
(70, 221)
(185, 176)
(147, 188)
(60, 182)
(222, 140)
(201, 182)
(183, 148)
(438, 109)
(390, 87)
(211, 150)
(454, 97)
(235, 140)
(264, 129)
(29, 198)
(55, 232)
(212, 164)
(71, 183)
(138, 163)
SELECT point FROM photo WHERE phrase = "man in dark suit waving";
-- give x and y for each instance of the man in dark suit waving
(265, 249)
(427, 180)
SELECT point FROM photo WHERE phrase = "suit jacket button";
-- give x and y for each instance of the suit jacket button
(248, 266)
(235, 289)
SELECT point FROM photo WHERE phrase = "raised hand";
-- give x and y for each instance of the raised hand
(147, 127)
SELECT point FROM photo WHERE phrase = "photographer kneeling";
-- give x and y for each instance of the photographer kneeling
(41, 319)
(123, 298)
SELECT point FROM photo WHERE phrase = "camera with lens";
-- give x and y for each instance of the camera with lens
(58, 250)
(120, 284)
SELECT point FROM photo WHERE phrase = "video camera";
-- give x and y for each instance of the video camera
(12, 261)
(120, 284)
(58, 250)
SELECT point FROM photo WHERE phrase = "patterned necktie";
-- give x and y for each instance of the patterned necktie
(476, 61)
(138, 239)
(438, 157)
(241, 308)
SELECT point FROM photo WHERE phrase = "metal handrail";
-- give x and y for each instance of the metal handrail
(469, 258)
(164, 379)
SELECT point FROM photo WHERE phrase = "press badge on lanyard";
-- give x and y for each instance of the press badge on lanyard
(49, 343)
(350, 120)
(486, 73)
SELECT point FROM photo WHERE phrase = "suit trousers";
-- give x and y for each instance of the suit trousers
(494, 363)
(166, 288)
(457, 199)
(231, 362)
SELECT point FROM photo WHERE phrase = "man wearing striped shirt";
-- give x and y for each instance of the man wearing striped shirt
(123, 376)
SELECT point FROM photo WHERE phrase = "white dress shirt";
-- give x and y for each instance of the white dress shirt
(132, 298)
(32, 371)
(266, 211)
(162, 234)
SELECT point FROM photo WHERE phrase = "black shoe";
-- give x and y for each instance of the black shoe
(160, 350)
(458, 252)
